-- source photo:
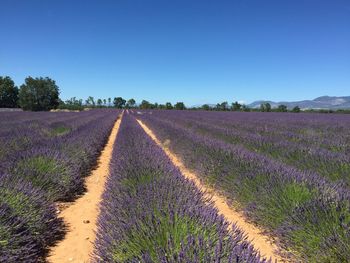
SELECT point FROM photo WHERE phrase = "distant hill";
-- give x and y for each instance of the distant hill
(324, 102)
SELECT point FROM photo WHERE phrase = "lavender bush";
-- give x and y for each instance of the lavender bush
(307, 211)
(151, 213)
(45, 156)
(54, 150)
(28, 222)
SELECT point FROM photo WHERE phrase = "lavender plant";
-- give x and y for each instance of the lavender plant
(294, 204)
(54, 152)
(28, 222)
(151, 213)
(45, 156)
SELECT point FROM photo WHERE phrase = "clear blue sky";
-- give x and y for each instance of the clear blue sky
(180, 50)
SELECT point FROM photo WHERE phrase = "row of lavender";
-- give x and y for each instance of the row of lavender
(309, 213)
(315, 142)
(151, 213)
(43, 158)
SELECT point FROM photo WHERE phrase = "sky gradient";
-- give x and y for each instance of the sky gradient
(180, 50)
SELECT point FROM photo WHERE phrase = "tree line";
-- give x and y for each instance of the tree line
(42, 94)
(35, 94)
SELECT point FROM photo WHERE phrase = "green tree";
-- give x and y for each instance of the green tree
(265, 107)
(168, 106)
(8, 93)
(131, 103)
(104, 102)
(119, 102)
(245, 108)
(72, 104)
(236, 106)
(179, 106)
(39, 94)
(282, 108)
(109, 102)
(222, 106)
(145, 105)
(296, 109)
(205, 107)
(99, 103)
(90, 102)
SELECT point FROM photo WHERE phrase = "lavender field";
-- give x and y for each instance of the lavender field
(150, 213)
(288, 174)
(43, 159)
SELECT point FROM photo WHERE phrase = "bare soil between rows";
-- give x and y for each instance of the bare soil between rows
(81, 216)
(256, 236)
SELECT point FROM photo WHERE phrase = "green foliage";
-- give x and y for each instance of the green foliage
(315, 234)
(245, 108)
(99, 103)
(90, 102)
(296, 109)
(8, 93)
(59, 131)
(39, 171)
(39, 94)
(179, 106)
(277, 204)
(168, 106)
(176, 229)
(282, 108)
(119, 102)
(265, 107)
(145, 105)
(205, 107)
(222, 106)
(236, 106)
(131, 103)
(22, 206)
(71, 104)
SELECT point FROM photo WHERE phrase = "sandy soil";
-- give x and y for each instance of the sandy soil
(260, 241)
(81, 215)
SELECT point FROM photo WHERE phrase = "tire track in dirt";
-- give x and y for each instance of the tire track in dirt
(255, 235)
(81, 215)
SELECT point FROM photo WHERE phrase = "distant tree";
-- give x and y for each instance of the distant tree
(90, 102)
(104, 102)
(265, 107)
(179, 106)
(39, 94)
(119, 102)
(145, 105)
(155, 105)
(72, 104)
(268, 107)
(161, 106)
(282, 108)
(99, 103)
(245, 108)
(168, 106)
(131, 103)
(109, 102)
(236, 106)
(296, 109)
(205, 107)
(8, 93)
(223, 106)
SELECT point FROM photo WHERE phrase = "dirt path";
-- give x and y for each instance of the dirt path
(260, 241)
(81, 216)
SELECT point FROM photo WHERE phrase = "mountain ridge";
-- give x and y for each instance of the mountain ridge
(323, 102)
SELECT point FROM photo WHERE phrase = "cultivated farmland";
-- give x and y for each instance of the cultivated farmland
(182, 186)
